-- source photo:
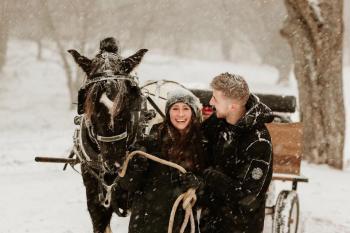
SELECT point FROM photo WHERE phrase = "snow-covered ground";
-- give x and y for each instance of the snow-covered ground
(35, 120)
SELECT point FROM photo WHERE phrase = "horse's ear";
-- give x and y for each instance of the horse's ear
(83, 62)
(128, 64)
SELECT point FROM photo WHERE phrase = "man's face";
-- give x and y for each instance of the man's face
(222, 104)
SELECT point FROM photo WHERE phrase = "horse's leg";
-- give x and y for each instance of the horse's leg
(108, 229)
(100, 215)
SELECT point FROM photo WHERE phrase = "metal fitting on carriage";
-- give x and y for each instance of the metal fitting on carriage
(149, 114)
(77, 120)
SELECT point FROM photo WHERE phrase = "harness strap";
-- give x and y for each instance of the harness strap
(91, 165)
(80, 142)
(114, 138)
(102, 77)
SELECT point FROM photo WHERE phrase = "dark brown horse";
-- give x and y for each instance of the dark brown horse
(109, 101)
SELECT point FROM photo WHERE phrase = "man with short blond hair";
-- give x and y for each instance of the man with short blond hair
(240, 152)
(232, 85)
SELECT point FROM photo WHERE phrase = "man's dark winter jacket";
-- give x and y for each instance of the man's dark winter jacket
(240, 173)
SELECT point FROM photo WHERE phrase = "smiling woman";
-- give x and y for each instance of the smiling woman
(180, 116)
(155, 186)
(182, 105)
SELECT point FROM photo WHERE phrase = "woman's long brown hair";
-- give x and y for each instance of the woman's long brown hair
(187, 149)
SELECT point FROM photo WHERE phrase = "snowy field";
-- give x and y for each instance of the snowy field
(35, 120)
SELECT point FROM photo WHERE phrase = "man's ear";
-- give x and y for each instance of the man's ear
(233, 106)
(236, 106)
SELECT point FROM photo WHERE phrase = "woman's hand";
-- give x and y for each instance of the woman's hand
(139, 164)
(190, 180)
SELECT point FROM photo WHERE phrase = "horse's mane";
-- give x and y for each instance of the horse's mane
(105, 61)
(89, 105)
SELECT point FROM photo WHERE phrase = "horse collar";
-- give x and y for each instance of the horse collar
(100, 138)
(114, 138)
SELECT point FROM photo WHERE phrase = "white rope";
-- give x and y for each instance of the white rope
(151, 157)
(188, 198)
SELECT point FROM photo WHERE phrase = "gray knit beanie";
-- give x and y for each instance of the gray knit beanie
(185, 96)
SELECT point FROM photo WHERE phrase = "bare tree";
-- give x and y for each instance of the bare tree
(259, 21)
(39, 32)
(314, 30)
(273, 50)
(347, 30)
(144, 26)
(61, 49)
(81, 11)
(4, 31)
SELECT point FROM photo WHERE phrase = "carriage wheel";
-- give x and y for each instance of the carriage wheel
(286, 217)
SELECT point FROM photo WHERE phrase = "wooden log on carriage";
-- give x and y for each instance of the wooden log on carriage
(277, 103)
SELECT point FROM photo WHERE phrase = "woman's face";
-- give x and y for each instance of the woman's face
(180, 116)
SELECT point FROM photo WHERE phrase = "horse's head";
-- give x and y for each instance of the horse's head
(110, 97)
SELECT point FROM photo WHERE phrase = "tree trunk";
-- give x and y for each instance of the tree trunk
(314, 30)
(226, 46)
(4, 32)
(283, 72)
(39, 55)
(347, 31)
(227, 33)
(62, 52)
(82, 40)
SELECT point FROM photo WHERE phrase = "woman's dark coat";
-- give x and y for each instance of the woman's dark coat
(155, 187)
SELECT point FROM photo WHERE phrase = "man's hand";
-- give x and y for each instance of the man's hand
(216, 179)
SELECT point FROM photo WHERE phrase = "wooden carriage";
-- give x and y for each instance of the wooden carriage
(287, 153)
